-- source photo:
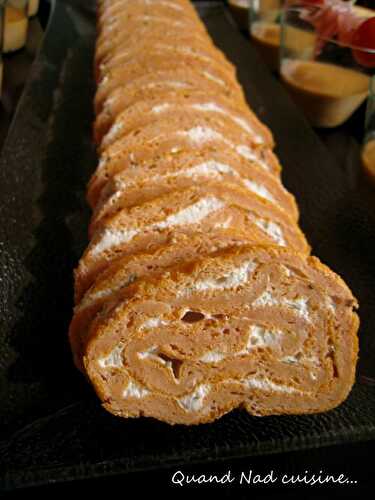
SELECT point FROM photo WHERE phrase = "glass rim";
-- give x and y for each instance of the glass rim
(290, 8)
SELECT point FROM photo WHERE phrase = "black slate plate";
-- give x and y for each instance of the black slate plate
(52, 427)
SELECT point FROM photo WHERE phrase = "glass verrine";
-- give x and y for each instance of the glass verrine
(368, 150)
(240, 11)
(326, 73)
(15, 25)
(264, 28)
(2, 14)
(32, 7)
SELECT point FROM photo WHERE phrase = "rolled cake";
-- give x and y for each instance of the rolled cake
(179, 249)
(196, 294)
(157, 177)
(276, 335)
(112, 35)
(187, 44)
(179, 82)
(197, 208)
(182, 131)
(147, 111)
(147, 63)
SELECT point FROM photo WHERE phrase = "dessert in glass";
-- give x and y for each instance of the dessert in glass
(264, 29)
(331, 74)
(14, 33)
(240, 11)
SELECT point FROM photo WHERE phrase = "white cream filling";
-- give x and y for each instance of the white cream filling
(192, 214)
(102, 163)
(91, 297)
(213, 78)
(331, 306)
(134, 390)
(262, 337)
(103, 82)
(212, 357)
(232, 279)
(194, 401)
(267, 385)
(152, 353)
(258, 337)
(111, 238)
(273, 230)
(290, 360)
(108, 103)
(172, 5)
(113, 132)
(266, 299)
(169, 83)
(114, 358)
(184, 50)
(246, 153)
(200, 135)
(212, 106)
(207, 169)
(259, 189)
(160, 108)
(152, 323)
(299, 305)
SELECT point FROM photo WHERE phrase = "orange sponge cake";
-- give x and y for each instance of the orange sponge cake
(180, 82)
(152, 146)
(182, 131)
(276, 335)
(147, 111)
(189, 210)
(158, 60)
(197, 294)
(179, 249)
(142, 183)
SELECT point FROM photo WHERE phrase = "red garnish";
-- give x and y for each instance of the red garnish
(335, 20)
(364, 36)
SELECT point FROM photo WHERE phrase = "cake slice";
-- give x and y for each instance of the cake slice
(151, 146)
(260, 328)
(179, 82)
(169, 44)
(141, 183)
(190, 210)
(142, 113)
(113, 18)
(179, 249)
(180, 131)
(158, 61)
(109, 10)
(118, 33)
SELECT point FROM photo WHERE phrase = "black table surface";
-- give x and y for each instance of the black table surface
(354, 460)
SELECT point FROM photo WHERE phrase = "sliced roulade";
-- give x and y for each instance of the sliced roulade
(265, 329)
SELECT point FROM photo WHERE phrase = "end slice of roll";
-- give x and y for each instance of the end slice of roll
(261, 328)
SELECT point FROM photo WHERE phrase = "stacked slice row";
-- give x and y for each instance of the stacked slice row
(196, 294)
